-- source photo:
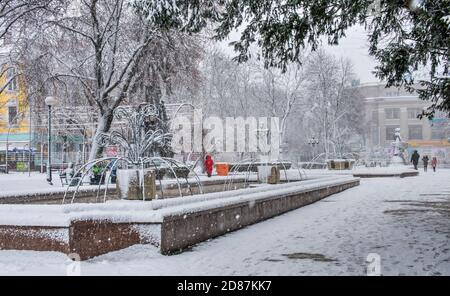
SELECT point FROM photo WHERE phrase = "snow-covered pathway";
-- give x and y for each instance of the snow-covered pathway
(405, 221)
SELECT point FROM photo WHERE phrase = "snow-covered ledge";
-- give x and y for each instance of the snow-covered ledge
(173, 225)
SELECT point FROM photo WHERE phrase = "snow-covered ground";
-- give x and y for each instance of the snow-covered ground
(20, 184)
(16, 182)
(406, 222)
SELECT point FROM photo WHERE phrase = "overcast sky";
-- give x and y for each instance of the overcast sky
(354, 47)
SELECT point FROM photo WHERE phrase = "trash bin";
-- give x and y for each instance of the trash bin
(223, 169)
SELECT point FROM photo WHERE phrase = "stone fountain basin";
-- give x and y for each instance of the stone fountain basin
(88, 194)
(173, 225)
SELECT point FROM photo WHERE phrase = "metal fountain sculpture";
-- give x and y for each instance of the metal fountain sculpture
(265, 160)
(139, 141)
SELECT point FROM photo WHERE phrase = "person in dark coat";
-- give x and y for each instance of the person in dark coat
(415, 159)
(425, 160)
(209, 165)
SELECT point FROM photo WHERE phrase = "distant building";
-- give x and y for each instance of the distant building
(14, 115)
(25, 142)
(391, 108)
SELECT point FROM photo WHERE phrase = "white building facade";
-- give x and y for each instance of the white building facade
(390, 108)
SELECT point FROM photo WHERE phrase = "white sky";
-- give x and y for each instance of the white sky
(354, 46)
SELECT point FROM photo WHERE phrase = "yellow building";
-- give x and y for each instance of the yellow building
(14, 115)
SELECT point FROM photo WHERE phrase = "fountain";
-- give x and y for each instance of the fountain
(267, 165)
(138, 170)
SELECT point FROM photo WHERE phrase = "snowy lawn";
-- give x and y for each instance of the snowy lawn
(405, 221)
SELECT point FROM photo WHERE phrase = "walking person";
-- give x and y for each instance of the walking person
(415, 159)
(434, 163)
(425, 160)
(209, 165)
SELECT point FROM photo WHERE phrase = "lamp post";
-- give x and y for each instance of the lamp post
(7, 152)
(50, 102)
(313, 142)
(7, 142)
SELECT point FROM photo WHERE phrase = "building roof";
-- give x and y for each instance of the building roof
(392, 98)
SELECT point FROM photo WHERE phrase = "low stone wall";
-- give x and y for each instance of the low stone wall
(183, 231)
(87, 239)
(35, 238)
(92, 237)
(84, 196)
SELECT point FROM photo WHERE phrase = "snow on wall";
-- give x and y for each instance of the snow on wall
(154, 211)
(251, 198)
(33, 215)
(60, 235)
(148, 233)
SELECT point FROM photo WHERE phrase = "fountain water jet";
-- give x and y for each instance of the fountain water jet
(139, 142)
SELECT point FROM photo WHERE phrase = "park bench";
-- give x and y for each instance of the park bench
(68, 180)
(72, 181)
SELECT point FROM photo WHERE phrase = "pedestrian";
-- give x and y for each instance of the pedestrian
(425, 160)
(209, 165)
(70, 171)
(415, 159)
(434, 163)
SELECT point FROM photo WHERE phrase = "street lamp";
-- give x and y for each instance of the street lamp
(50, 102)
(313, 142)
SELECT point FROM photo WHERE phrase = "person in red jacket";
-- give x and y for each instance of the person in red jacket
(434, 163)
(209, 164)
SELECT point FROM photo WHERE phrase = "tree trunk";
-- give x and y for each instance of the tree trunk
(104, 125)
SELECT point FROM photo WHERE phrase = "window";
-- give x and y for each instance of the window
(438, 134)
(375, 135)
(375, 116)
(58, 147)
(12, 115)
(414, 112)
(439, 129)
(12, 79)
(390, 133)
(415, 132)
(392, 113)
